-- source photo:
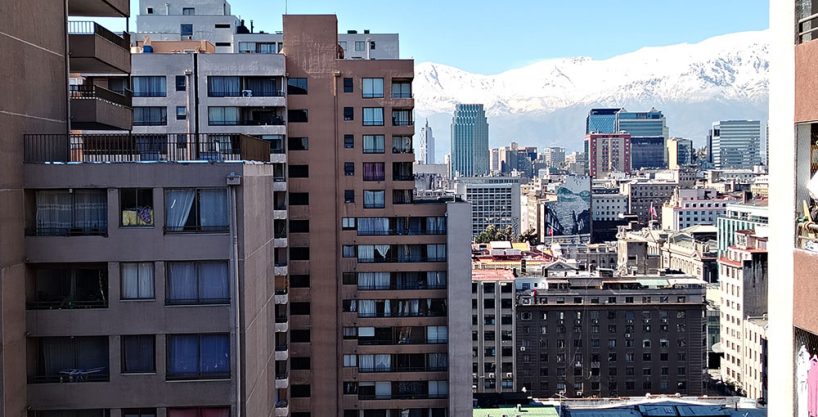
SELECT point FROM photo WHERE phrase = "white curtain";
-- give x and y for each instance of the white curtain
(387, 308)
(213, 281)
(182, 282)
(437, 333)
(137, 280)
(366, 308)
(366, 362)
(366, 253)
(414, 307)
(381, 280)
(435, 225)
(366, 279)
(383, 250)
(53, 211)
(373, 225)
(435, 279)
(366, 332)
(177, 207)
(90, 210)
(383, 362)
(213, 208)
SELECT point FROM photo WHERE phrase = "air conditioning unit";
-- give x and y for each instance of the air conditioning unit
(247, 93)
(509, 374)
(491, 375)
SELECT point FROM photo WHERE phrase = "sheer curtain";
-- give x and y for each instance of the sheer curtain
(90, 210)
(261, 87)
(213, 282)
(383, 362)
(383, 251)
(366, 308)
(387, 308)
(182, 285)
(178, 203)
(366, 253)
(366, 362)
(183, 355)
(381, 280)
(57, 355)
(137, 280)
(435, 279)
(215, 350)
(224, 86)
(213, 208)
(53, 211)
(366, 280)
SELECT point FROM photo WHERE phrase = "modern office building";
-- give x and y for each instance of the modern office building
(679, 153)
(649, 133)
(608, 153)
(694, 206)
(608, 206)
(601, 121)
(493, 347)
(426, 145)
(470, 141)
(736, 144)
(494, 201)
(747, 215)
(743, 280)
(554, 156)
(597, 335)
(646, 197)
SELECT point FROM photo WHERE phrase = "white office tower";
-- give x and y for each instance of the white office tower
(426, 152)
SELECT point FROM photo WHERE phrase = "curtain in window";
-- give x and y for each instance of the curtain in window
(373, 143)
(373, 199)
(366, 253)
(382, 250)
(224, 86)
(435, 279)
(215, 354)
(149, 86)
(366, 308)
(366, 279)
(415, 253)
(183, 355)
(373, 225)
(366, 332)
(387, 308)
(137, 280)
(213, 281)
(383, 389)
(213, 208)
(182, 286)
(247, 47)
(414, 307)
(92, 353)
(57, 355)
(53, 211)
(438, 388)
(178, 203)
(438, 360)
(138, 353)
(383, 362)
(366, 362)
(400, 117)
(90, 210)
(373, 116)
(266, 47)
(220, 116)
(381, 280)
(435, 225)
(374, 171)
(261, 87)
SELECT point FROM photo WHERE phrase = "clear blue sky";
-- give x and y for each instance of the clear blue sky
(490, 36)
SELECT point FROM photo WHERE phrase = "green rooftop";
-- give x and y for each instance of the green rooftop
(512, 412)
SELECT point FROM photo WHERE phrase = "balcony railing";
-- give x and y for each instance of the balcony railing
(67, 303)
(396, 396)
(402, 259)
(400, 341)
(94, 92)
(401, 232)
(402, 122)
(92, 28)
(396, 368)
(275, 121)
(144, 147)
(73, 375)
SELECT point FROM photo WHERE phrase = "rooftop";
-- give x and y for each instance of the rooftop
(492, 275)
(547, 411)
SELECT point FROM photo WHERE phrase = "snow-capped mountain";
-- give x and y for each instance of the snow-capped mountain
(545, 103)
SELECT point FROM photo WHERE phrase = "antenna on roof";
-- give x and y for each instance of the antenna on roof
(285, 6)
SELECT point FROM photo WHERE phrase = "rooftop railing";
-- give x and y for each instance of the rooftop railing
(43, 148)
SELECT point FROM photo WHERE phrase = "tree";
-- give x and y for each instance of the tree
(529, 236)
(492, 233)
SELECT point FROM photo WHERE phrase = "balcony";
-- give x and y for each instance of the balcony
(55, 288)
(282, 353)
(99, 8)
(282, 379)
(96, 50)
(282, 409)
(282, 324)
(144, 147)
(97, 108)
(68, 359)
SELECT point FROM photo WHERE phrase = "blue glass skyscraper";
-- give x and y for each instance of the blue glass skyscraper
(470, 141)
(601, 121)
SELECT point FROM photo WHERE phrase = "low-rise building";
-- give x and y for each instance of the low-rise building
(695, 206)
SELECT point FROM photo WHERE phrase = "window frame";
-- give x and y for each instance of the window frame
(136, 198)
(197, 272)
(169, 376)
(123, 350)
(196, 204)
(152, 270)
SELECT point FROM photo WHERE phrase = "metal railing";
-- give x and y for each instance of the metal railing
(86, 27)
(66, 304)
(144, 147)
(67, 377)
(401, 396)
(806, 27)
(400, 341)
(397, 368)
(94, 92)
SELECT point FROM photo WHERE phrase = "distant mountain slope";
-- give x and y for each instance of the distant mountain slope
(545, 103)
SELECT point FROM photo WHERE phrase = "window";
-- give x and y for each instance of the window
(359, 46)
(349, 196)
(401, 89)
(401, 144)
(300, 336)
(374, 171)
(348, 85)
(298, 171)
(371, 44)
(188, 11)
(223, 116)
(349, 141)
(372, 87)
(297, 86)
(349, 169)
(181, 113)
(300, 391)
(196, 210)
(297, 116)
(150, 116)
(186, 30)
(300, 309)
(71, 212)
(299, 226)
(223, 26)
(373, 143)
(181, 83)
(298, 144)
(300, 253)
(198, 356)
(350, 361)
(373, 116)
(299, 199)
(348, 251)
(225, 44)
(138, 354)
(136, 206)
(348, 223)
(139, 412)
(149, 86)
(374, 199)
(137, 281)
(199, 282)
(402, 118)
(223, 86)
(300, 364)
(299, 281)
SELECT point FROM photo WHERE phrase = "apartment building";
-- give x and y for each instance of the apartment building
(693, 206)
(494, 201)
(646, 197)
(492, 305)
(747, 215)
(743, 278)
(378, 333)
(607, 153)
(756, 357)
(583, 335)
